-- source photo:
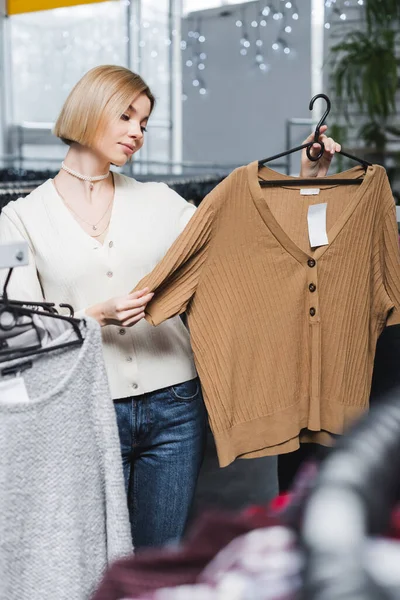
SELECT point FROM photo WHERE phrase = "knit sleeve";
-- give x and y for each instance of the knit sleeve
(390, 253)
(24, 283)
(174, 280)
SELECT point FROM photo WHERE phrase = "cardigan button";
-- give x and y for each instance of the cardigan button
(312, 311)
(312, 287)
(110, 273)
(110, 244)
(122, 331)
(311, 262)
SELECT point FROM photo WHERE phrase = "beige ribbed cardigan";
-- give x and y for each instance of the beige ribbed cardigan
(283, 335)
(67, 265)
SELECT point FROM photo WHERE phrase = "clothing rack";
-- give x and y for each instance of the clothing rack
(193, 189)
(18, 187)
(357, 489)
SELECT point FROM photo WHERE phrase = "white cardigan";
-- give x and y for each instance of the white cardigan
(67, 265)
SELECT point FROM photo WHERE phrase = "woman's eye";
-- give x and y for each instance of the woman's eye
(144, 129)
(125, 117)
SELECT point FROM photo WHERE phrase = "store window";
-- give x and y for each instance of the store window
(48, 52)
(193, 5)
(155, 39)
(52, 49)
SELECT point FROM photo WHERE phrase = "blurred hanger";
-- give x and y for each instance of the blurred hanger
(15, 314)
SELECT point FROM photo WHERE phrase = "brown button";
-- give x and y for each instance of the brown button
(122, 331)
(312, 311)
(312, 287)
(311, 262)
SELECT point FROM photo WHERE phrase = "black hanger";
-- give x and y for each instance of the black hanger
(13, 310)
(313, 181)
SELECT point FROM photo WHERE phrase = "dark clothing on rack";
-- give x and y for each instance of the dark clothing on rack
(386, 376)
(154, 569)
(387, 363)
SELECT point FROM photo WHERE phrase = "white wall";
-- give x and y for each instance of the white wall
(242, 117)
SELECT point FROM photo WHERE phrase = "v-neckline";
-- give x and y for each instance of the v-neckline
(74, 223)
(253, 174)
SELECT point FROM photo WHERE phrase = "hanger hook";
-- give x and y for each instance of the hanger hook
(70, 308)
(4, 295)
(318, 127)
(324, 116)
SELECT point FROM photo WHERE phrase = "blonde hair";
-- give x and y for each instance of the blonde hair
(103, 94)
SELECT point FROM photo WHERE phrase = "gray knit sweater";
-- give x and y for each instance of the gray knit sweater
(63, 512)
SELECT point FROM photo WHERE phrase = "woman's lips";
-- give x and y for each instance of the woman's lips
(127, 148)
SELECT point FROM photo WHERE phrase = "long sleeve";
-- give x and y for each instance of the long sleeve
(174, 280)
(187, 214)
(24, 283)
(391, 257)
(180, 207)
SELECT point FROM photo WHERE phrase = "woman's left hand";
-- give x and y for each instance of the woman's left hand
(320, 167)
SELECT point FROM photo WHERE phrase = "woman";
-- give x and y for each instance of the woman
(92, 235)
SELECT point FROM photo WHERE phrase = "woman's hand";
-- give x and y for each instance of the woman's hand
(320, 167)
(123, 311)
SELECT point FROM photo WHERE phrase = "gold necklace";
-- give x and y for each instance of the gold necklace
(94, 227)
(104, 230)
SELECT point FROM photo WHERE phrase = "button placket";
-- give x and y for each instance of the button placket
(131, 369)
(312, 285)
(312, 307)
(129, 358)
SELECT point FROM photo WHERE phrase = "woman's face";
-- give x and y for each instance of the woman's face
(122, 138)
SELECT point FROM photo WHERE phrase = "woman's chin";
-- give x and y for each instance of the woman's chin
(119, 161)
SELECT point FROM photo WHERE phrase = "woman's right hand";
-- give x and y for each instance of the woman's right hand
(123, 311)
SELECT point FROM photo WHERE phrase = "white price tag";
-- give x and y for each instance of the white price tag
(317, 225)
(13, 391)
(309, 191)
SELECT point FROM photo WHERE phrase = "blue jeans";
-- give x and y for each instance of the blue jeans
(162, 435)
